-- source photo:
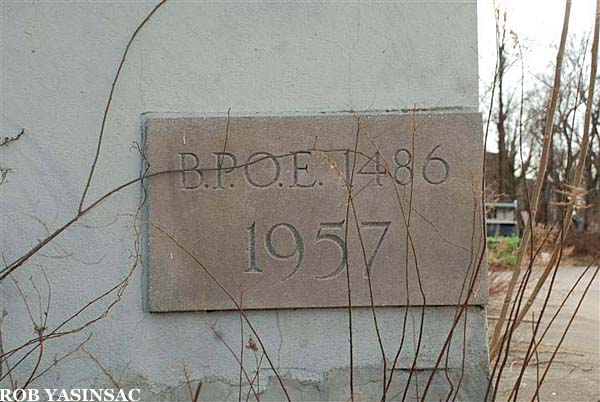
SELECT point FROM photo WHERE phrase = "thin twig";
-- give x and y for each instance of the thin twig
(109, 101)
(7, 140)
(541, 175)
(580, 164)
(231, 298)
(347, 262)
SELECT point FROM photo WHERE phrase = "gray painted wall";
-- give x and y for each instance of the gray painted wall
(58, 61)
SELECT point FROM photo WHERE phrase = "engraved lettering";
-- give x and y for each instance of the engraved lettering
(378, 168)
(189, 170)
(304, 168)
(431, 178)
(258, 158)
(267, 209)
(220, 158)
(252, 266)
(347, 167)
(338, 241)
(297, 252)
(375, 225)
(403, 172)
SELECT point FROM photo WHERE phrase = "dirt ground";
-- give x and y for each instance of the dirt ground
(575, 372)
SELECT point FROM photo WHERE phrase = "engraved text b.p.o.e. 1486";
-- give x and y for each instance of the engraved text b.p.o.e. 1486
(285, 211)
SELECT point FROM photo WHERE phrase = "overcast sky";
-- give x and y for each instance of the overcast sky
(538, 24)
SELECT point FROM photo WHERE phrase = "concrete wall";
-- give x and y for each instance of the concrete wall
(58, 61)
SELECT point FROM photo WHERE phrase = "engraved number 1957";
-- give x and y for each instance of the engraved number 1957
(327, 232)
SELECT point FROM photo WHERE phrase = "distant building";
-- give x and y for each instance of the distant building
(501, 219)
(586, 216)
(502, 211)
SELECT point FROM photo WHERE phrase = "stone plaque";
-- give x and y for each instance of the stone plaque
(259, 206)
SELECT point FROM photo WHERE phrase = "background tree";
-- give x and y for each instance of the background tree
(518, 117)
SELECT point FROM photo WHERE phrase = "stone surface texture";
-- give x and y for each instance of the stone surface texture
(58, 62)
(269, 226)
